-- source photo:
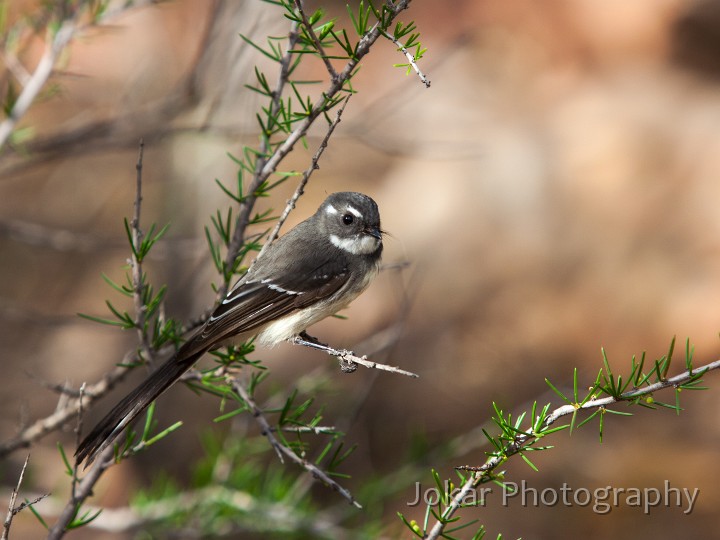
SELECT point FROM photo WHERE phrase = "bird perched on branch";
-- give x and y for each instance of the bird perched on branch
(308, 274)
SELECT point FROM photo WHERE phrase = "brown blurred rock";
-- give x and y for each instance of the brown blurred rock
(696, 38)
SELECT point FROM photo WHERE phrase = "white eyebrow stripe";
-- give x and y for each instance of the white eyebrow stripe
(354, 211)
(330, 209)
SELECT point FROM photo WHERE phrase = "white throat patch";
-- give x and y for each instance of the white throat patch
(363, 245)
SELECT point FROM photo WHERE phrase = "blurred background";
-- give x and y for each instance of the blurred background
(555, 191)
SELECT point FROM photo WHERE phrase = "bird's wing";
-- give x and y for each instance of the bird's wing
(268, 296)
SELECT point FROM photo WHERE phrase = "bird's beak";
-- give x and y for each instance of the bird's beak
(375, 232)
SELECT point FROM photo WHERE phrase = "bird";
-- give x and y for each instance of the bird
(311, 272)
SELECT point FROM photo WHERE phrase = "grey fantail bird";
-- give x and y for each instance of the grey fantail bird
(306, 275)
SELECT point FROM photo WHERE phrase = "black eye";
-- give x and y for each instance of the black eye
(347, 219)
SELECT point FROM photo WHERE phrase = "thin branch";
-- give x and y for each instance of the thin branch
(283, 450)
(513, 447)
(38, 79)
(316, 42)
(348, 359)
(12, 509)
(410, 58)
(306, 176)
(138, 279)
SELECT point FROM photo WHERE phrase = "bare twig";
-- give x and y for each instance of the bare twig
(12, 509)
(525, 437)
(347, 358)
(306, 176)
(410, 58)
(283, 450)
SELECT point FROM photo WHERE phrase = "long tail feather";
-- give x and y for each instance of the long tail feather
(133, 404)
